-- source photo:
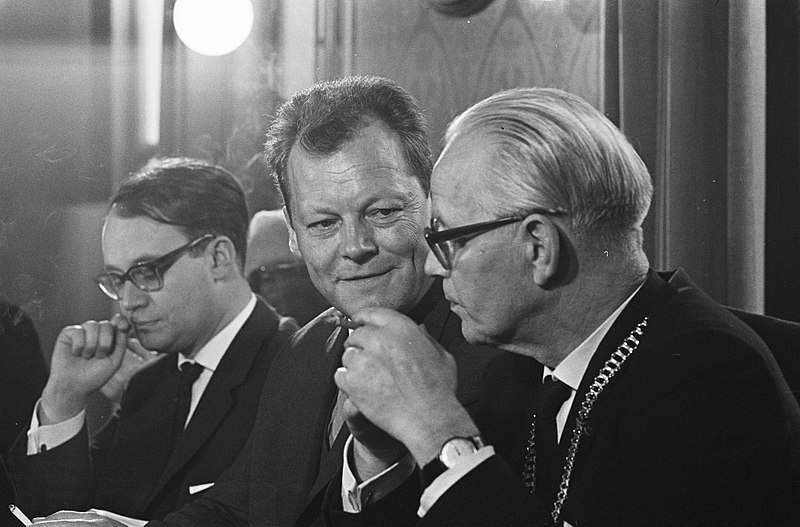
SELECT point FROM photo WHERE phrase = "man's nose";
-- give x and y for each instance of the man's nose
(433, 267)
(131, 297)
(359, 241)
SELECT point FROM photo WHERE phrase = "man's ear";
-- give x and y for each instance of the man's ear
(292, 235)
(223, 256)
(543, 248)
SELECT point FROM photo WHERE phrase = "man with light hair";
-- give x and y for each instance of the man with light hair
(352, 160)
(626, 396)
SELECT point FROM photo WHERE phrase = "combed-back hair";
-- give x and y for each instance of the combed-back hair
(553, 150)
(195, 196)
(324, 117)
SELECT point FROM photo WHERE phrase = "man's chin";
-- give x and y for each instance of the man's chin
(384, 301)
(474, 335)
(154, 343)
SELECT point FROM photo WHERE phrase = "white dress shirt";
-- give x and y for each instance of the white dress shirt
(42, 437)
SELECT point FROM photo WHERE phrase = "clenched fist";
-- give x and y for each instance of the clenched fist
(84, 358)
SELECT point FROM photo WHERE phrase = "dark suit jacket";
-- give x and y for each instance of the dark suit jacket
(697, 428)
(7, 497)
(782, 337)
(281, 476)
(131, 469)
(22, 373)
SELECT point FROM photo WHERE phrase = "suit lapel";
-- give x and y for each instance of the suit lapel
(330, 459)
(300, 396)
(217, 399)
(652, 293)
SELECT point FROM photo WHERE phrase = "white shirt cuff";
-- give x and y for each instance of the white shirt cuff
(450, 477)
(43, 437)
(355, 497)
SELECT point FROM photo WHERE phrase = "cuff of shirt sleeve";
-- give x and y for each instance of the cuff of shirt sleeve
(450, 477)
(43, 437)
(356, 496)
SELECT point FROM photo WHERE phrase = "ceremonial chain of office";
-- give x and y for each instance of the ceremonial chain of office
(607, 372)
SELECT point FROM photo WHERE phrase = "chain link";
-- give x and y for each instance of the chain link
(607, 372)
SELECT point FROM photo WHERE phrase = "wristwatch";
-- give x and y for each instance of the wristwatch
(451, 451)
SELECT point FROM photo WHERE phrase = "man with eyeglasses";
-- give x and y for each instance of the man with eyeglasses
(626, 396)
(277, 274)
(352, 161)
(174, 244)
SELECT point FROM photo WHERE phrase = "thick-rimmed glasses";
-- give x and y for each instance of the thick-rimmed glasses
(443, 242)
(147, 276)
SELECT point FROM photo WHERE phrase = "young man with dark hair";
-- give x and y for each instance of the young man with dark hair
(174, 243)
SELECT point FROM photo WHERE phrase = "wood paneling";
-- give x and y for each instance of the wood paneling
(451, 63)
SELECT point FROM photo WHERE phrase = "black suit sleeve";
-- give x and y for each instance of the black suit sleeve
(23, 373)
(695, 438)
(55, 479)
(398, 509)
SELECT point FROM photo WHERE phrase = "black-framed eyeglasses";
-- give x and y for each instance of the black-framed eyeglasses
(276, 273)
(443, 242)
(147, 276)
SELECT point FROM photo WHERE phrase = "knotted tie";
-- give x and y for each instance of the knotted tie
(190, 371)
(542, 469)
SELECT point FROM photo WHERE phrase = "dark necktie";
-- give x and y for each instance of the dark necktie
(190, 371)
(336, 416)
(544, 440)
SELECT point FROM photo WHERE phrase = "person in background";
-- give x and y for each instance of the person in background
(23, 372)
(174, 246)
(353, 163)
(625, 397)
(275, 273)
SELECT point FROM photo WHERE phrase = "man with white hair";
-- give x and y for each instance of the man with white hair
(626, 396)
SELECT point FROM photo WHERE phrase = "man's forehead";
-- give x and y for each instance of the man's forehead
(459, 179)
(309, 175)
(135, 239)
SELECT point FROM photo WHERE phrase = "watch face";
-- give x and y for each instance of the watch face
(455, 448)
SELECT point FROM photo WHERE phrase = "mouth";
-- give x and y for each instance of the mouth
(363, 277)
(144, 324)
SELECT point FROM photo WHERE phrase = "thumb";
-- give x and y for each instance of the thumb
(142, 354)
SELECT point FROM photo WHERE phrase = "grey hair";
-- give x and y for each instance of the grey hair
(553, 150)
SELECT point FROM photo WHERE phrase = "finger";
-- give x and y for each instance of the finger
(76, 338)
(66, 337)
(120, 345)
(377, 316)
(349, 356)
(121, 322)
(105, 338)
(340, 378)
(91, 330)
(143, 354)
(350, 410)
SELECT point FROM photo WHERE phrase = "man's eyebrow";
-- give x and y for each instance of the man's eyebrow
(142, 259)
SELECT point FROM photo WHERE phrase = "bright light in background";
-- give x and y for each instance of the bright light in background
(150, 31)
(213, 27)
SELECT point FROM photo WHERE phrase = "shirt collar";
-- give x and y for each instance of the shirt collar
(570, 371)
(209, 355)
